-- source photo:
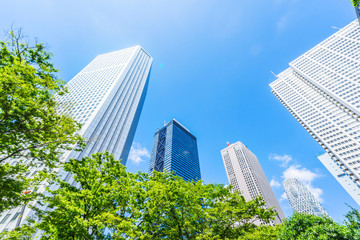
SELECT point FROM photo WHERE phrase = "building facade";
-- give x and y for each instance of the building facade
(175, 150)
(246, 175)
(301, 199)
(321, 89)
(357, 11)
(341, 177)
(107, 98)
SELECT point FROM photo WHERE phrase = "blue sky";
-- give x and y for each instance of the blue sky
(211, 70)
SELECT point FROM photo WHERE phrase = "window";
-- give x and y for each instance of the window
(15, 216)
(5, 218)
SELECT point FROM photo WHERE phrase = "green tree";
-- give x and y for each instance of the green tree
(353, 221)
(232, 216)
(108, 202)
(304, 226)
(32, 132)
(177, 209)
(263, 233)
(356, 3)
(102, 198)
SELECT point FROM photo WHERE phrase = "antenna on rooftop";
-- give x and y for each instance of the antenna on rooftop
(334, 27)
(274, 74)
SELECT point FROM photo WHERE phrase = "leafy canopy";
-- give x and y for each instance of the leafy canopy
(356, 3)
(106, 201)
(301, 226)
(32, 132)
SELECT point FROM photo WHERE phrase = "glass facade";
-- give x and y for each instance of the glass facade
(357, 11)
(107, 97)
(175, 150)
(321, 89)
(301, 199)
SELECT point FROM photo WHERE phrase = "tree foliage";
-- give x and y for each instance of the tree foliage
(356, 3)
(177, 209)
(353, 221)
(100, 198)
(107, 202)
(104, 201)
(31, 129)
(303, 226)
(263, 233)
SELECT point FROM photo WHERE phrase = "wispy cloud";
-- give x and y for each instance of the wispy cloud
(281, 24)
(306, 177)
(283, 196)
(284, 159)
(138, 153)
(302, 174)
(274, 183)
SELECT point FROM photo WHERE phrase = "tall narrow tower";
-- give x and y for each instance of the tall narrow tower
(357, 11)
(107, 97)
(301, 199)
(175, 150)
(321, 89)
(245, 174)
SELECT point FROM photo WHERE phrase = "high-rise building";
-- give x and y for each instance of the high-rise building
(246, 175)
(301, 199)
(321, 89)
(341, 177)
(107, 98)
(175, 150)
(357, 11)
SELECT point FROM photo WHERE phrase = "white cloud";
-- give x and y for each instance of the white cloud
(306, 177)
(138, 154)
(281, 24)
(284, 159)
(283, 196)
(317, 192)
(274, 183)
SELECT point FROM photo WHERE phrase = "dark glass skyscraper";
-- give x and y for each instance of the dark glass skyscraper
(175, 150)
(357, 10)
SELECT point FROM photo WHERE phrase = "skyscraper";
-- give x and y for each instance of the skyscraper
(301, 199)
(341, 177)
(107, 98)
(175, 150)
(357, 11)
(321, 89)
(245, 174)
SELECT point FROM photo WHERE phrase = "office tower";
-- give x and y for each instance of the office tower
(301, 199)
(341, 177)
(357, 11)
(245, 174)
(107, 98)
(321, 89)
(175, 150)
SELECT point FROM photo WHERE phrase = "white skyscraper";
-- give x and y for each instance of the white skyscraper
(321, 89)
(301, 199)
(245, 174)
(341, 177)
(107, 98)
